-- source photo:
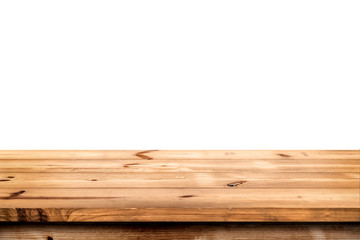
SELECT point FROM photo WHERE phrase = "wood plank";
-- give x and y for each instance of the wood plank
(144, 166)
(164, 185)
(179, 154)
(182, 231)
(179, 180)
(179, 215)
(181, 198)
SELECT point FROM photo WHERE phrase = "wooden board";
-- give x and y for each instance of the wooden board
(182, 231)
(216, 185)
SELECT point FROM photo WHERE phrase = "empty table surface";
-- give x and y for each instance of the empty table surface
(174, 185)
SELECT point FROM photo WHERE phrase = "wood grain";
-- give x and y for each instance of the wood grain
(183, 198)
(162, 185)
(171, 165)
(166, 180)
(182, 231)
(179, 154)
(179, 215)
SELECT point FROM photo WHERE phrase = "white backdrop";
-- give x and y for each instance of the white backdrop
(179, 74)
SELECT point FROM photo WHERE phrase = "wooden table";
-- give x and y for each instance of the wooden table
(180, 186)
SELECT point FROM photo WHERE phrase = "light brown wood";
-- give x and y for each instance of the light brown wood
(180, 185)
(183, 198)
(182, 231)
(184, 165)
(179, 215)
(175, 180)
(179, 154)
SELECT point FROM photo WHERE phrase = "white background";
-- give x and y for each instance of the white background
(179, 74)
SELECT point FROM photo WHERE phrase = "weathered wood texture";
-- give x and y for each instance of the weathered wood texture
(182, 231)
(61, 186)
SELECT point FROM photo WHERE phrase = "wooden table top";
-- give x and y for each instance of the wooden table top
(169, 185)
